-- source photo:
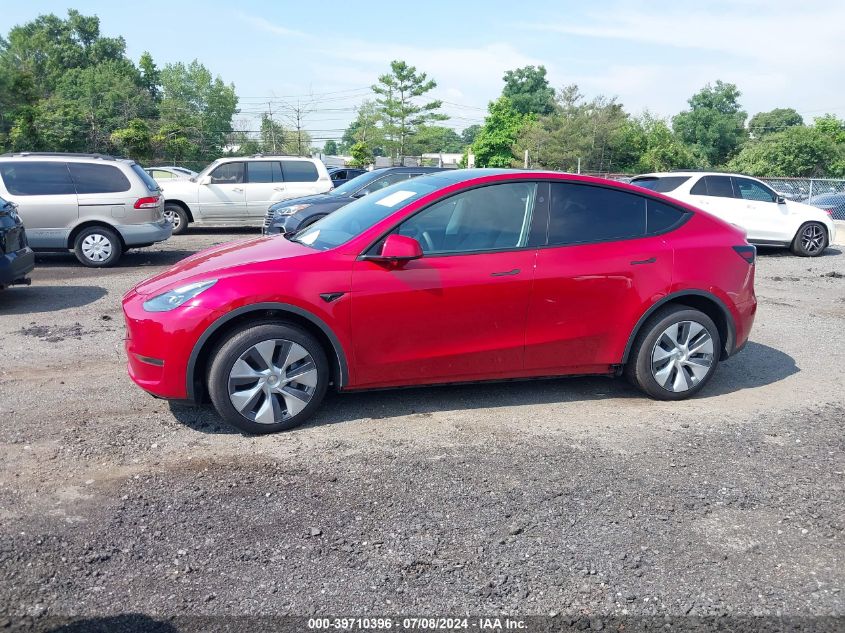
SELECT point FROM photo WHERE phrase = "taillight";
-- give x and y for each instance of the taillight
(747, 252)
(828, 211)
(150, 202)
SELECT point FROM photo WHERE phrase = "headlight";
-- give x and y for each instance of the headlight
(294, 208)
(178, 296)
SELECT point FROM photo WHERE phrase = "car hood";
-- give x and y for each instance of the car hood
(223, 260)
(808, 211)
(315, 199)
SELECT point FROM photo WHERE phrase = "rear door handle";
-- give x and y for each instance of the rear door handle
(637, 262)
(505, 273)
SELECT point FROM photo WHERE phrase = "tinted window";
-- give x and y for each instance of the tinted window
(661, 217)
(719, 186)
(661, 184)
(487, 218)
(97, 178)
(358, 216)
(338, 175)
(152, 185)
(581, 213)
(299, 171)
(36, 179)
(351, 186)
(751, 190)
(228, 174)
(260, 171)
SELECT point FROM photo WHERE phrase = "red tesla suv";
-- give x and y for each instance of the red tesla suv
(459, 276)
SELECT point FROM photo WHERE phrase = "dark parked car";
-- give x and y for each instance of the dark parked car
(341, 175)
(295, 214)
(833, 203)
(16, 257)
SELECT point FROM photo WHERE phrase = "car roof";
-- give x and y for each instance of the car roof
(691, 172)
(63, 156)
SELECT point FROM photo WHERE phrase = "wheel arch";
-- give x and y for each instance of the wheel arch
(706, 302)
(269, 311)
(71, 238)
(184, 206)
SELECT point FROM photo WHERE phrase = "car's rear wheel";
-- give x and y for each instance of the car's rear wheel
(176, 215)
(268, 377)
(97, 247)
(675, 353)
(811, 240)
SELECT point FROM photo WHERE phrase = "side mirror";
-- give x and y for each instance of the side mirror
(205, 180)
(780, 200)
(360, 194)
(399, 248)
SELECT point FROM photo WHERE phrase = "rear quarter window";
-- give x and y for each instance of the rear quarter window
(661, 184)
(90, 178)
(148, 180)
(661, 217)
(299, 171)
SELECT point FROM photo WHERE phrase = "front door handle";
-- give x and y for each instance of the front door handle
(238, 189)
(278, 188)
(637, 262)
(505, 273)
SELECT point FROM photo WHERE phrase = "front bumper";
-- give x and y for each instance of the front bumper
(159, 345)
(14, 267)
(282, 224)
(148, 233)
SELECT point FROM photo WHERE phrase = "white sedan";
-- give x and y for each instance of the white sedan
(768, 218)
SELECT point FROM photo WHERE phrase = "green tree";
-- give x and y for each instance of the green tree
(134, 140)
(493, 145)
(365, 129)
(150, 78)
(714, 124)
(661, 150)
(361, 155)
(529, 90)
(330, 148)
(196, 112)
(434, 138)
(469, 134)
(798, 151)
(398, 93)
(775, 120)
(273, 136)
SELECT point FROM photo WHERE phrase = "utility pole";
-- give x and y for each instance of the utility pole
(525, 164)
(272, 125)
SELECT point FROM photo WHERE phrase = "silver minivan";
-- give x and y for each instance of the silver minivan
(96, 205)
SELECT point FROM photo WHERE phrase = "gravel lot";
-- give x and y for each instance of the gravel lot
(576, 497)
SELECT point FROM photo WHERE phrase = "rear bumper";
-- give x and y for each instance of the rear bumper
(14, 267)
(148, 233)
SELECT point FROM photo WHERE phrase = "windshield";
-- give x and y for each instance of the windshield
(356, 217)
(351, 186)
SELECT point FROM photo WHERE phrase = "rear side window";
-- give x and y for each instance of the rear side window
(90, 178)
(149, 181)
(260, 171)
(299, 171)
(661, 217)
(30, 178)
(661, 184)
(581, 214)
(719, 186)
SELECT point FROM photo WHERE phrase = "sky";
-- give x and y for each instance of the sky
(325, 55)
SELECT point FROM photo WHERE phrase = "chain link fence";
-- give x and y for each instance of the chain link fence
(825, 193)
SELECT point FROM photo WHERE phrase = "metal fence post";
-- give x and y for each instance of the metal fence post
(811, 189)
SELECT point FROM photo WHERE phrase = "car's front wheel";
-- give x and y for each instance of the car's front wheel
(675, 353)
(268, 377)
(811, 240)
(98, 247)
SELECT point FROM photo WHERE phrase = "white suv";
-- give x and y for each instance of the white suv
(768, 219)
(239, 190)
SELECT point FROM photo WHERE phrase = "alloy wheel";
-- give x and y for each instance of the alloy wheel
(272, 381)
(812, 238)
(174, 218)
(682, 356)
(97, 247)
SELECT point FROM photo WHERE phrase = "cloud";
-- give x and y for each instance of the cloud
(263, 24)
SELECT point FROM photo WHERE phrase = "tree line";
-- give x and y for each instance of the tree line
(66, 87)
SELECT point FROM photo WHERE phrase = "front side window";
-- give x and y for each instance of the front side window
(228, 174)
(299, 171)
(751, 190)
(495, 217)
(31, 178)
(581, 214)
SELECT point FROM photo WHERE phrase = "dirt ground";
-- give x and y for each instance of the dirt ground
(573, 497)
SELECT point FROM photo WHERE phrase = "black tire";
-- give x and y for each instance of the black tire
(638, 369)
(98, 247)
(178, 217)
(810, 240)
(240, 342)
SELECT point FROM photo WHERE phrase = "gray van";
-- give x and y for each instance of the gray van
(98, 206)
